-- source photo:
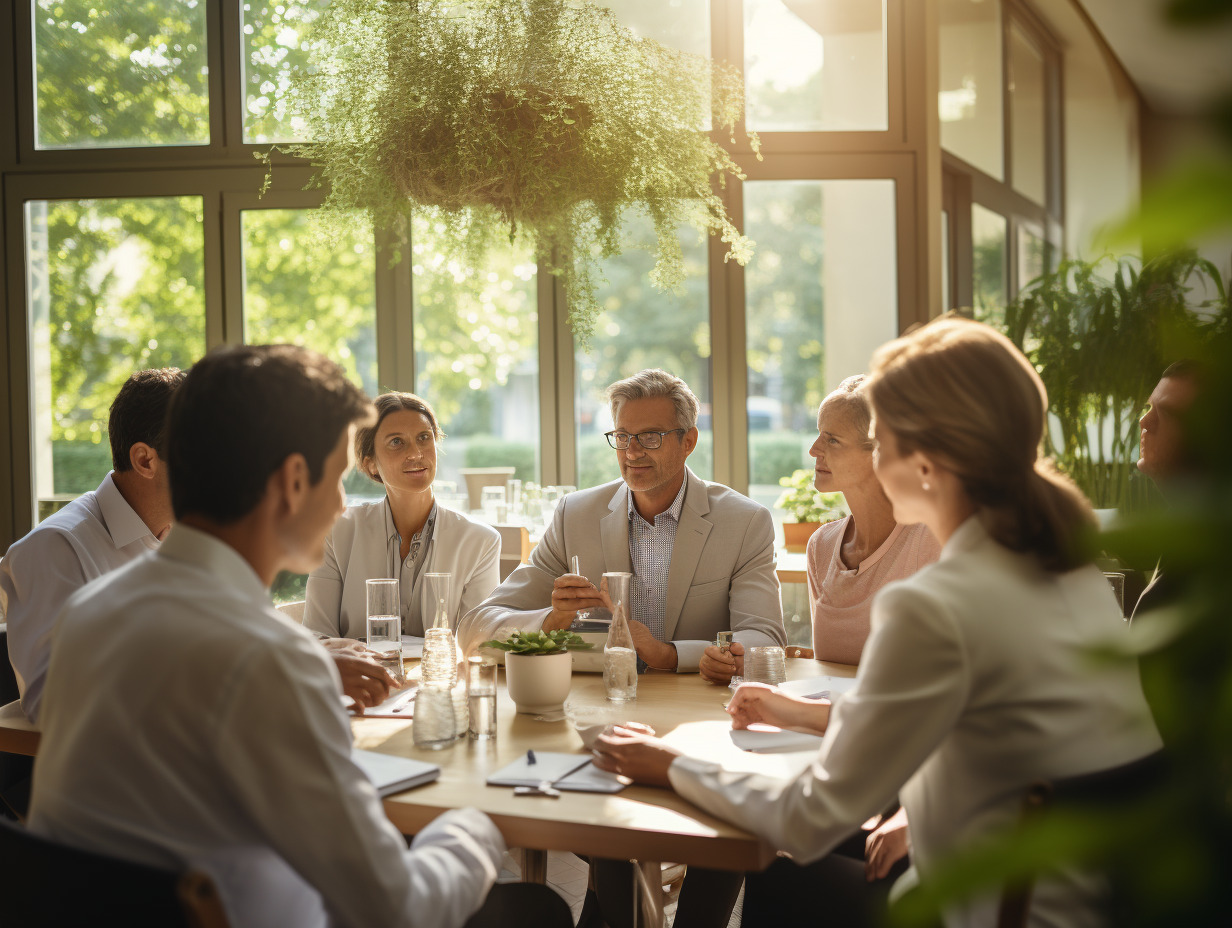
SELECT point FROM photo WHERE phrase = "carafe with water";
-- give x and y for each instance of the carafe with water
(619, 655)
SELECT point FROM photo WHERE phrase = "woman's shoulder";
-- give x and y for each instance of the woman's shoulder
(360, 516)
(919, 538)
(823, 541)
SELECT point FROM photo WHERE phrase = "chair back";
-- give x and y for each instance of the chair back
(293, 610)
(50, 884)
(8, 678)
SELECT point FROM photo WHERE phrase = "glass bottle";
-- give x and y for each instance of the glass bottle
(440, 660)
(619, 655)
(433, 725)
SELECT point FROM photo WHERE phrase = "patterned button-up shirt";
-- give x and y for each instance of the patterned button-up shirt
(650, 553)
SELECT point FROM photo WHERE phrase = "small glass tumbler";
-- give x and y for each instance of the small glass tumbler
(766, 664)
(433, 724)
(492, 501)
(1116, 580)
(481, 697)
(385, 625)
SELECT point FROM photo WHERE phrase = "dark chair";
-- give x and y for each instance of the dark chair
(1104, 789)
(8, 679)
(49, 885)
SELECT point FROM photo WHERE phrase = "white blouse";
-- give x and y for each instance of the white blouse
(363, 546)
(975, 682)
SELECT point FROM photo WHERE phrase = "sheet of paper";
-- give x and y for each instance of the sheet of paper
(765, 739)
(400, 704)
(548, 765)
(412, 647)
(823, 687)
(590, 779)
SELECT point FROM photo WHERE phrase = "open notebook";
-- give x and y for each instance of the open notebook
(391, 774)
(569, 772)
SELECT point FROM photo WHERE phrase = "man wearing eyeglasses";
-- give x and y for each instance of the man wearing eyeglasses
(701, 554)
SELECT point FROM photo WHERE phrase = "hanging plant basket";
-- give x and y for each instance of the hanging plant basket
(543, 119)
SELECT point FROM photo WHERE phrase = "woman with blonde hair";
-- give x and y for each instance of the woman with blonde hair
(405, 535)
(976, 680)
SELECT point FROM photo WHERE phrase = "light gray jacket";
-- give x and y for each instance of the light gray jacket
(721, 574)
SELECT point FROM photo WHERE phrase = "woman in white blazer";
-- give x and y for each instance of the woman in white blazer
(976, 680)
(406, 535)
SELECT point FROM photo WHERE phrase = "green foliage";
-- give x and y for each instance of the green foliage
(1100, 334)
(537, 642)
(79, 466)
(487, 451)
(803, 503)
(773, 454)
(546, 120)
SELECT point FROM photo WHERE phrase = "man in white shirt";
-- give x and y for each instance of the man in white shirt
(701, 554)
(126, 516)
(190, 723)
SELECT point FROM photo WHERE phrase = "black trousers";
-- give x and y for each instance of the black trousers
(522, 905)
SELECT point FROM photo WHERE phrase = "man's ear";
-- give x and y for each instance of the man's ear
(144, 460)
(290, 483)
(690, 441)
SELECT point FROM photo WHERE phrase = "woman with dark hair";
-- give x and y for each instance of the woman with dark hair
(976, 680)
(406, 535)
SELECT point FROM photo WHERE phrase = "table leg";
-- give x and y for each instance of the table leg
(648, 894)
(534, 866)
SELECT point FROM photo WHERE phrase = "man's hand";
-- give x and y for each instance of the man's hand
(630, 749)
(757, 702)
(570, 593)
(717, 667)
(657, 654)
(365, 681)
(887, 844)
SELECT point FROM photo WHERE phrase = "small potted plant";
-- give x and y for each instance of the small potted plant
(807, 509)
(538, 668)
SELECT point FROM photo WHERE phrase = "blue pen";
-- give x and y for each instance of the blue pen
(530, 757)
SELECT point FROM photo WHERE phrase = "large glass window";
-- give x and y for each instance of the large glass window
(111, 75)
(990, 270)
(821, 295)
(1026, 66)
(815, 65)
(275, 43)
(115, 286)
(643, 327)
(970, 97)
(476, 355)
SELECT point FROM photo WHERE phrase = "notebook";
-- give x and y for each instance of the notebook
(823, 687)
(765, 739)
(391, 774)
(569, 772)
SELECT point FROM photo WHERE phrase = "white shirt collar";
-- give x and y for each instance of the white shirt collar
(192, 546)
(122, 521)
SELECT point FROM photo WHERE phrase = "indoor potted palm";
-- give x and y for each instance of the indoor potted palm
(538, 667)
(807, 509)
(546, 120)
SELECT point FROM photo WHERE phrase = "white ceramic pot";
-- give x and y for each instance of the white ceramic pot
(538, 683)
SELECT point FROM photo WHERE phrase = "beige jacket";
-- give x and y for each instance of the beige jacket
(721, 575)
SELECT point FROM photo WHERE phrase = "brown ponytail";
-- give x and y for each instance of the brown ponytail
(963, 394)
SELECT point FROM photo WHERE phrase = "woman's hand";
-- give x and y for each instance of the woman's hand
(757, 702)
(364, 680)
(887, 844)
(631, 750)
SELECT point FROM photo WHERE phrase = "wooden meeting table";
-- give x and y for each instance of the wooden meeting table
(641, 823)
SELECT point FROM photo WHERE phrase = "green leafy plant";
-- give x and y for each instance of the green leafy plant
(803, 503)
(537, 642)
(1098, 334)
(547, 120)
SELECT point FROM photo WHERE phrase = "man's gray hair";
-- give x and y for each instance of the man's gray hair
(652, 383)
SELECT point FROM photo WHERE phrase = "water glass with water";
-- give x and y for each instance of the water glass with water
(492, 501)
(766, 664)
(385, 625)
(481, 697)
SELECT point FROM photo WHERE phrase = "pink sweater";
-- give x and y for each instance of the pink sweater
(840, 598)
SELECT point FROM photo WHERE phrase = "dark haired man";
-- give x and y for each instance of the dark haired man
(96, 533)
(222, 740)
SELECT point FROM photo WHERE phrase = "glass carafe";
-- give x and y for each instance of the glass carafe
(440, 660)
(619, 655)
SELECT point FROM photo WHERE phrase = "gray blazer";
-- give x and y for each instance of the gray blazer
(721, 575)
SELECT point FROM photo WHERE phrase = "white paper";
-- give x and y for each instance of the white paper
(766, 739)
(548, 765)
(823, 687)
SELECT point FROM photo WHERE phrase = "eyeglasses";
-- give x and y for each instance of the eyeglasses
(648, 440)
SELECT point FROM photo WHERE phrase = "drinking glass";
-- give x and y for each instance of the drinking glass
(481, 697)
(619, 655)
(513, 496)
(492, 501)
(766, 664)
(440, 662)
(1116, 580)
(433, 724)
(385, 625)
